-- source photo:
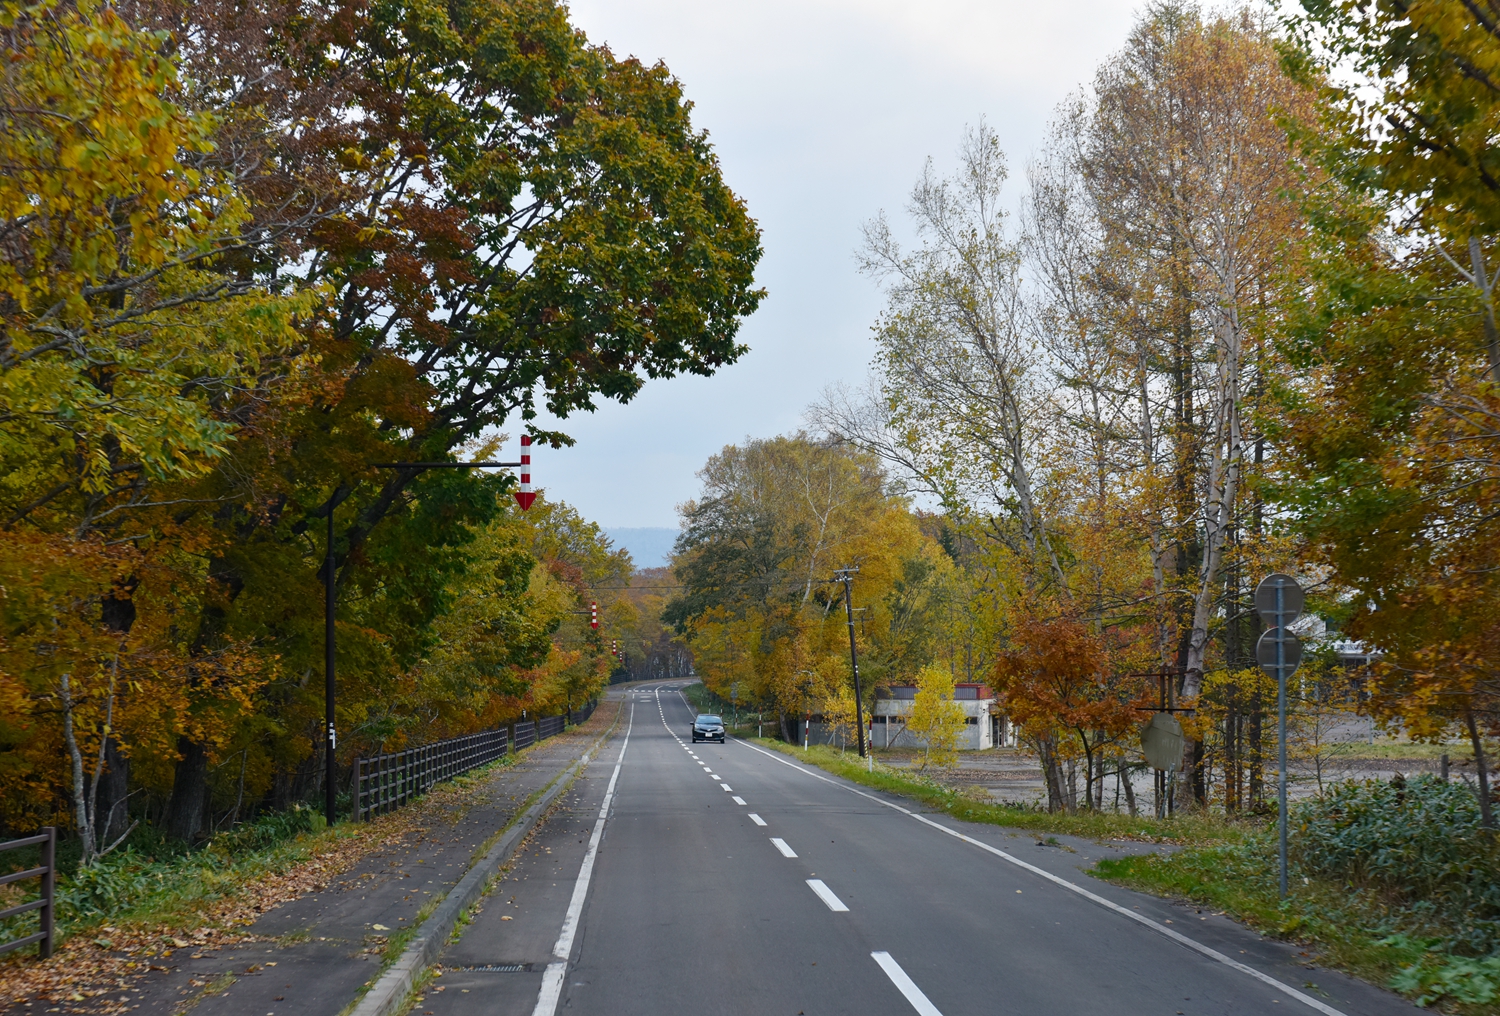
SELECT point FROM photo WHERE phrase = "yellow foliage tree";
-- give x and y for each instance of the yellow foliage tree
(935, 718)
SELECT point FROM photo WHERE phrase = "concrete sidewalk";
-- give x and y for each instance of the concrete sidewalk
(318, 951)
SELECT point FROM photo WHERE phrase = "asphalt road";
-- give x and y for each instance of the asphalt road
(681, 878)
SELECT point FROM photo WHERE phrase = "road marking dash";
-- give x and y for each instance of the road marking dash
(552, 977)
(757, 819)
(905, 984)
(739, 801)
(727, 787)
(786, 851)
(826, 895)
(1176, 936)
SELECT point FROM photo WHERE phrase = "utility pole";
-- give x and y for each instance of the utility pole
(846, 575)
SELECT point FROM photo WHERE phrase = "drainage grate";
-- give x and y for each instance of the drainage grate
(499, 968)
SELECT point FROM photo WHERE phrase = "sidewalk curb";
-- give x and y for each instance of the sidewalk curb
(387, 996)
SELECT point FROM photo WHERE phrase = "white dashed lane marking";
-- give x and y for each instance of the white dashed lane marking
(905, 984)
(826, 895)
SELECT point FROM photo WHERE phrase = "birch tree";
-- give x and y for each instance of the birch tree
(960, 369)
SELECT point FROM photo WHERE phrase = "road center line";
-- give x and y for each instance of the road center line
(786, 851)
(739, 801)
(757, 819)
(552, 979)
(826, 895)
(1176, 936)
(905, 984)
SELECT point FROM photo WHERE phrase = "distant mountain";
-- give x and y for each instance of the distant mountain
(649, 548)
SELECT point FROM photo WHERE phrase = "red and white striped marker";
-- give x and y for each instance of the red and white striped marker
(593, 615)
(525, 496)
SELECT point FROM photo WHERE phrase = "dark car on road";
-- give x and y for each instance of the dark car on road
(708, 727)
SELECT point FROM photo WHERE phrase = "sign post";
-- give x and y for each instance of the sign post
(1279, 601)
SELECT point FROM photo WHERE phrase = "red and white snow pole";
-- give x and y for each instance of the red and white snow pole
(525, 496)
(593, 615)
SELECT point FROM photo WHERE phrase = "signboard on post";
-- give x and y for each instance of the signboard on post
(1279, 602)
(1161, 740)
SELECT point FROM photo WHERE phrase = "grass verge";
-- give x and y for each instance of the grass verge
(965, 804)
(1230, 866)
(1343, 927)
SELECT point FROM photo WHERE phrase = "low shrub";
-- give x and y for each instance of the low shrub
(1417, 842)
(152, 869)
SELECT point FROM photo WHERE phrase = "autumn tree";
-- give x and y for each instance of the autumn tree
(1072, 689)
(935, 718)
(378, 231)
(756, 557)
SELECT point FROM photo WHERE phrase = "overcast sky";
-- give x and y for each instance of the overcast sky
(822, 113)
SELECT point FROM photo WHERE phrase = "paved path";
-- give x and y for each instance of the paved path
(329, 944)
(727, 879)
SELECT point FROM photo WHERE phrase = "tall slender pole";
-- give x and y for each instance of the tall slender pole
(1281, 729)
(859, 709)
(330, 736)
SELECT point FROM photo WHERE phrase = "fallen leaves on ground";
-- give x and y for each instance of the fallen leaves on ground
(85, 976)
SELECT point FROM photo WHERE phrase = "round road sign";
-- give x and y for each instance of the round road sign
(1292, 600)
(1265, 651)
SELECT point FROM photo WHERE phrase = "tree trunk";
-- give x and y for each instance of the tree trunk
(189, 786)
(114, 790)
(1051, 775)
(82, 815)
(1486, 815)
(1129, 790)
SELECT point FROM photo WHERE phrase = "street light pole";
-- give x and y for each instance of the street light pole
(846, 575)
(330, 732)
(524, 498)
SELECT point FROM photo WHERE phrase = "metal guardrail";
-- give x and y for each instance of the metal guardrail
(385, 782)
(525, 734)
(47, 872)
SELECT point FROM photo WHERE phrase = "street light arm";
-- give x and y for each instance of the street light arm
(443, 465)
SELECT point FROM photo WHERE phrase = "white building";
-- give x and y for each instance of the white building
(893, 709)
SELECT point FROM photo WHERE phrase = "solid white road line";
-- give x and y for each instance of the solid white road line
(786, 851)
(826, 895)
(739, 801)
(1176, 936)
(757, 819)
(552, 979)
(907, 986)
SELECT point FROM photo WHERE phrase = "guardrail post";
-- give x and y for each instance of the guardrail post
(49, 891)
